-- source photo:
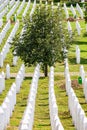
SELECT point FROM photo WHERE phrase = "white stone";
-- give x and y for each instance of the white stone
(73, 10)
(79, 10)
(66, 11)
(1, 118)
(15, 59)
(1, 59)
(4, 106)
(7, 71)
(78, 56)
(3, 75)
(1, 84)
(78, 27)
(18, 79)
(26, 9)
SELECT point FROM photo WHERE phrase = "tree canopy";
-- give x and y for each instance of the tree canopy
(44, 38)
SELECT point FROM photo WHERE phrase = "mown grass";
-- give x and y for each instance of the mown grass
(42, 119)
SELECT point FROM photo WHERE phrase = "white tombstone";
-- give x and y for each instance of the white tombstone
(73, 10)
(13, 89)
(78, 56)
(11, 99)
(1, 23)
(82, 116)
(26, 9)
(7, 71)
(18, 79)
(1, 84)
(3, 75)
(7, 102)
(85, 89)
(85, 124)
(1, 59)
(4, 106)
(1, 118)
(82, 73)
(66, 11)
(81, 69)
(15, 58)
(78, 27)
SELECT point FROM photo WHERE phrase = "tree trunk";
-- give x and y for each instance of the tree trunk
(45, 70)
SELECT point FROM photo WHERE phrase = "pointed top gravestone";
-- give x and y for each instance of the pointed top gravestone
(7, 71)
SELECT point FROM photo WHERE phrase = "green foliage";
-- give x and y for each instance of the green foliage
(44, 38)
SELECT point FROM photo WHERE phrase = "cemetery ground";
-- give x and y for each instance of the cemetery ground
(42, 118)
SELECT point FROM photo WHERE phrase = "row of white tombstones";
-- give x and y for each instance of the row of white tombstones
(4, 31)
(79, 118)
(28, 117)
(82, 74)
(6, 27)
(78, 27)
(33, 9)
(78, 9)
(73, 10)
(9, 102)
(6, 47)
(12, 10)
(18, 11)
(7, 76)
(84, 81)
(2, 6)
(54, 118)
(5, 10)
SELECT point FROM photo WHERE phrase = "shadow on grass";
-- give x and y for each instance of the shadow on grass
(12, 77)
(43, 104)
(26, 78)
(85, 34)
(81, 42)
(45, 93)
(82, 103)
(83, 50)
(43, 98)
(72, 60)
(82, 97)
(44, 124)
(82, 61)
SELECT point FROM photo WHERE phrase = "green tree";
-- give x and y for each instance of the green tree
(43, 39)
